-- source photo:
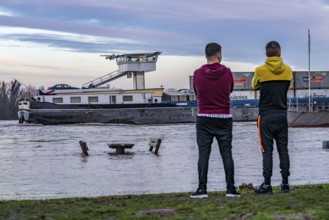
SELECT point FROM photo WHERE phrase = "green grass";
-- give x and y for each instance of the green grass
(303, 202)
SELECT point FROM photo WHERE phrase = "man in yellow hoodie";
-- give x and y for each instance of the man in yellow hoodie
(273, 80)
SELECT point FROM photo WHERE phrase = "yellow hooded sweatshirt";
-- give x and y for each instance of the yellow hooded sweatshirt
(273, 70)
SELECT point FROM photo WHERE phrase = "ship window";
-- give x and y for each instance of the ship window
(75, 99)
(113, 99)
(174, 98)
(93, 99)
(57, 100)
(127, 98)
(182, 98)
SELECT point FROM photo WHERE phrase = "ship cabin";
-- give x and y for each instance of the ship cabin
(101, 96)
(183, 97)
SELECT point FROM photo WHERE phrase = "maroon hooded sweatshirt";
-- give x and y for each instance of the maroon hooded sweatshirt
(213, 84)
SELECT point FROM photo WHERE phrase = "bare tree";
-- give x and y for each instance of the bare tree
(9, 102)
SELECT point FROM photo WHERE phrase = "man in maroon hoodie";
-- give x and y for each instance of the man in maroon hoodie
(213, 84)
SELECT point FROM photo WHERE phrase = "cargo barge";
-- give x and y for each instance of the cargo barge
(308, 97)
(102, 105)
(105, 105)
(62, 104)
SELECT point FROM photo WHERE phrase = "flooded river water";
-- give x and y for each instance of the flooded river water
(39, 162)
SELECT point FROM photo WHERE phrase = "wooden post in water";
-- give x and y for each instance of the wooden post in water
(155, 143)
(84, 147)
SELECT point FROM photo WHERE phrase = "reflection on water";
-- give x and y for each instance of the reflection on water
(46, 161)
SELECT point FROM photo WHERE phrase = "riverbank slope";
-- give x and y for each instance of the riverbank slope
(303, 202)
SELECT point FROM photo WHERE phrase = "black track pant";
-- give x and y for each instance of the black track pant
(221, 129)
(274, 127)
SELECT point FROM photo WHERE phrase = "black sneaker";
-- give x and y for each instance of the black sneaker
(231, 192)
(199, 194)
(264, 189)
(285, 188)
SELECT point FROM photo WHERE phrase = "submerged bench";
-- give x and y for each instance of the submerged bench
(120, 148)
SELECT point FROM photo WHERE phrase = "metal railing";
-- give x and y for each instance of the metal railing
(103, 79)
(302, 104)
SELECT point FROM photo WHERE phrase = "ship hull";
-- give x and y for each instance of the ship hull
(122, 116)
(52, 114)
(308, 119)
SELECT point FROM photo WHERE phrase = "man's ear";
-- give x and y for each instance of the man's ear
(219, 56)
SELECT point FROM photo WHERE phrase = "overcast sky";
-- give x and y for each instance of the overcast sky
(59, 41)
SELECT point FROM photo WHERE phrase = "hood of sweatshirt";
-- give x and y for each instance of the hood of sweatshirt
(213, 71)
(275, 65)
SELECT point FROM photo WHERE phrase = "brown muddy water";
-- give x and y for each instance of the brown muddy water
(39, 162)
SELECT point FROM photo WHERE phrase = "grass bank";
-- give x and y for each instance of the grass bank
(303, 202)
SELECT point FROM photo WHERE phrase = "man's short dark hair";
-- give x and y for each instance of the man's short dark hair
(212, 49)
(273, 49)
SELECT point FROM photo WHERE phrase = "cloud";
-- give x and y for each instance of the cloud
(133, 35)
(5, 12)
(166, 12)
(86, 37)
(195, 10)
(19, 63)
(73, 27)
(175, 28)
(90, 21)
(67, 41)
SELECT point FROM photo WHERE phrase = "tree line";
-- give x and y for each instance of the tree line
(9, 102)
